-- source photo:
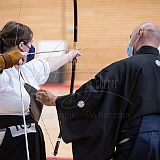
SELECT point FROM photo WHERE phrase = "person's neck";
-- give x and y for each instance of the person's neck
(152, 44)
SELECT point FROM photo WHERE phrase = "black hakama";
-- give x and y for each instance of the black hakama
(14, 148)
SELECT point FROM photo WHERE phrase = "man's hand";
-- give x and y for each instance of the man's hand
(46, 97)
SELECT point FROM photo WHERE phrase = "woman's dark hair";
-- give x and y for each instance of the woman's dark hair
(12, 34)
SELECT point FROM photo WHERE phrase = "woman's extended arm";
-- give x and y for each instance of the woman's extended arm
(58, 61)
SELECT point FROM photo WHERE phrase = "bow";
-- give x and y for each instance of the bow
(74, 61)
(75, 46)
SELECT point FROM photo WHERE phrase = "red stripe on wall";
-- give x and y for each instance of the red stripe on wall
(58, 86)
(59, 158)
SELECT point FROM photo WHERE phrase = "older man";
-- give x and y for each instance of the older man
(116, 115)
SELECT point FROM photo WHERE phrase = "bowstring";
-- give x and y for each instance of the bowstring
(21, 94)
(48, 134)
(49, 137)
(20, 8)
(23, 113)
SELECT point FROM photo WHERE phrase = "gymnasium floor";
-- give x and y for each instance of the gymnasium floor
(50, 127)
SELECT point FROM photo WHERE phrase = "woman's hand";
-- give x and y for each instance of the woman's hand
(73, 53)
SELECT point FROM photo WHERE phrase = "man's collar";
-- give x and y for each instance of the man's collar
(148, 50)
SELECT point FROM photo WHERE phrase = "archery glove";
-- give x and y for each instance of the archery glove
(10, 59)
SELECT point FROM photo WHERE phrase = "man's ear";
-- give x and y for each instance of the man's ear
(140, 33)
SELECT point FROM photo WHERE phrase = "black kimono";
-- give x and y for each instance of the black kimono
(107, 118)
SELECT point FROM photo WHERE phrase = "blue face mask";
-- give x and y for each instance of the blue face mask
(30, 56)
(130, 50)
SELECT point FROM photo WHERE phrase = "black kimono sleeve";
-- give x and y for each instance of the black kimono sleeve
(91, 117)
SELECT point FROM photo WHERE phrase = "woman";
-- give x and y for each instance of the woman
(20, 136)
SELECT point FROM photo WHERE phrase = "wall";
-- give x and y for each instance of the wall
(104, 26)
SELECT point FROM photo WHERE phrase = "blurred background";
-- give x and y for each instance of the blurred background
(104, 27)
